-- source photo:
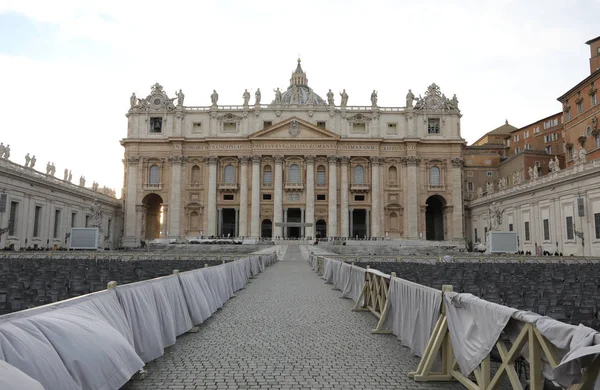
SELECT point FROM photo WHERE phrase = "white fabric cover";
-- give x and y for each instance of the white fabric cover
(11, 378)
(327, 270)
(475, 326)
(197, 295)
(335, 275)
(355, 283)
(412, 311)
(254, 264)
(174, 305)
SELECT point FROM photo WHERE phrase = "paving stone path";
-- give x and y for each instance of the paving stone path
(286, 330)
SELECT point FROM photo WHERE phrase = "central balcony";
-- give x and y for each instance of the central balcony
(228, 187)
(294, 186)
(360, 187)
(153, 187)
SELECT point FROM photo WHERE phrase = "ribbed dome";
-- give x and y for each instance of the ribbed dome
(298, 92)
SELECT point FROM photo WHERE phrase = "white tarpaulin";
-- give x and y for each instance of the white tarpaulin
(354, 285)
(11, 378)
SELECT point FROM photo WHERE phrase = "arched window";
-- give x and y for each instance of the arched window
(294, 173)
(154, 175)
(392, 175)
(321, 175)
(229, 174)
(359, 175)
(195, 174)
(434, 176)
(194, 220)
(267, 175)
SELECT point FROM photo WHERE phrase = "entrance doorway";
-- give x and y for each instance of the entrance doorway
(228, 223)
(434, 218)
(153, 225)
(294, 216)
(266, 229)
(359, 223)
(321, 229)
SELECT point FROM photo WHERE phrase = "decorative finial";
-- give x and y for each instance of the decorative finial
(506, 122)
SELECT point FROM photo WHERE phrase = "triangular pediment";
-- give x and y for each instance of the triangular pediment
(294, 129)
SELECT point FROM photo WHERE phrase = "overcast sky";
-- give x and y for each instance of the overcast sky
(68, 67)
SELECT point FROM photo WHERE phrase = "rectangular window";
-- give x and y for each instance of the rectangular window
(229, 127)
(267, 124)
(569, 228)
(597, 224)
(470, 186)
(527, 236)
(594, 99)
(488, 162)
(546, 230)
(73, 219)
(36, 221)
(548, 149)
(485, 234)
(475, 231)
(56, 229)
(268, 177)
(555, 137)
(87, 221)
(321, 197)
(580, 108)
(517, 150)
(359, 198)
(433, 126)
(510, 227)
(228, 197)
(321, 124)
(516, 137)
(470, 174)
(508, 142)
(568, 116)
(526, 134)
(197, 128)
(570, 153)
(267, 197)
(12, 219)
(321, 177)
(156, 125)
(489, 173)
(108, 228)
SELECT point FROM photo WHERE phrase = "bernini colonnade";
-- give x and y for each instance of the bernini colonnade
(300, 166)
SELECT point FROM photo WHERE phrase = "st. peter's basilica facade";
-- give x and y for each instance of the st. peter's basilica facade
(298, 166)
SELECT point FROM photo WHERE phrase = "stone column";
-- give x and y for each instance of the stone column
(412, 197)
(130, 238)
(285, 230)
(375, 207)
(332, 215)
(457, 201)
(278, 196)
(344, 160)
(212, 196)
(302, 228)
(243, 210)
(175, 195)
(310, 196)
(255, 216)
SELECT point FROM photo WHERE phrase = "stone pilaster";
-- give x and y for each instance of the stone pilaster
(175, 195)
(243, 211)
(131, 238)
(344, 160)
(412, 197)
(457, 201)
(332, 212)
(255, 216)
(310, 196)
(375, 204)
(278, 196)
(212, 195)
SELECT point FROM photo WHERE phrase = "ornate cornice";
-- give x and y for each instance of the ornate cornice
(375, 160)
(256, 159)
(134, 160)
(457, 162)
(344, 160)
(177, 159)
(332, 159)
(309, 159)
(278, 159)
(411, 160)
(212, 160)
(244, 160)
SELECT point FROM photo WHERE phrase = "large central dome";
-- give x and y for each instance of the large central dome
(298, 93)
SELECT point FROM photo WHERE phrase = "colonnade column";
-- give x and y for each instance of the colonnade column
(278, 197)
(243, 211)
(255, 216)
(212, 195)
(175, 198)
(457, 211)
(344, 160)
(375, 209)
(130, 238)
(332, 214)
(412, 195)
(310, 196)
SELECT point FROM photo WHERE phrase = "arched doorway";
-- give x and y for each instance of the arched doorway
(153, 203)
(266, 229)
(321, 229)
(434, 218)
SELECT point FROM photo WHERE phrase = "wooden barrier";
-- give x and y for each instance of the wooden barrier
(374, 296)
(538, 347)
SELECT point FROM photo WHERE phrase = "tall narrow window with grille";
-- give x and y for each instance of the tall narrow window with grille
(433, 126)
(546, 230)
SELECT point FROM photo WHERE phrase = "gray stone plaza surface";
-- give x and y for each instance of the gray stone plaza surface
(286, 330)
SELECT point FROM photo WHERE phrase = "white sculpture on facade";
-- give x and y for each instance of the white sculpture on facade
(5, 152)
(330, 98)
(410, 97)
(495, 216)
(133, 100)
(214, 97)
(556, 164)
(257, 97)
(65, 174)
(70, 176)
(33, 161)
(479, 192)
(277, 96)
(489, 187)
(94, 186)
(27, 160)
(96, 215)
(246, 97)
(530, 173)
(502, 183)
(374, 98)
(535, 173)
(582, 155)
(344, 96)
(180, 97)
(82, 181)
(551, 166)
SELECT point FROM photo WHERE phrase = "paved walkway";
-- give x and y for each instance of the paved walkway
(286, 330)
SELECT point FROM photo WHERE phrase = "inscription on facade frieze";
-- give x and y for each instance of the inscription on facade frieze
(394, 148)
(292, 146)
(358, 147)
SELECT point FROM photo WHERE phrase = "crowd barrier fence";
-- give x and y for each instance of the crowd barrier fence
(100, 340)
(461, 331)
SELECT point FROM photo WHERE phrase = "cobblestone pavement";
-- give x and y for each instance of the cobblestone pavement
(286, 330)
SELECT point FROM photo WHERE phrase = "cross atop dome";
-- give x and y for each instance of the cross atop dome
(299, 77)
